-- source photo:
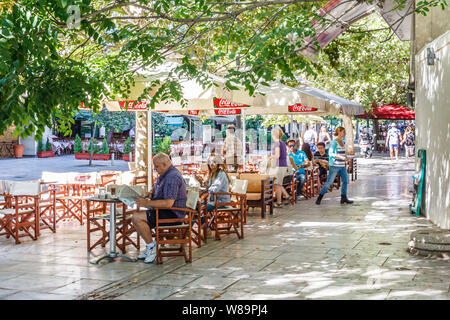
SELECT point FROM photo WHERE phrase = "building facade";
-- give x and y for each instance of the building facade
(432, 106)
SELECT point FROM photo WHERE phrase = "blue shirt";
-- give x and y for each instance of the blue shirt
(171, 185)
(299, 159)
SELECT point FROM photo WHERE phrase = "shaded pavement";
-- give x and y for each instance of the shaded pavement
(331, 251)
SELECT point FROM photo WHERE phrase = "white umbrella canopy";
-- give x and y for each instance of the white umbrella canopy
(275, 99)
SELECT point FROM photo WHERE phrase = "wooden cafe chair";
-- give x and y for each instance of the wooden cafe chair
(22, 219)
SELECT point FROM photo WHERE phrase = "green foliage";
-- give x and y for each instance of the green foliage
(40, 146)
(162, 145)
(105, 149)
(49, 66)
(160, 126)
(48, 145)
(127, 146)
(364, 67)
(114, 120)
(94, 148)
(78, 147)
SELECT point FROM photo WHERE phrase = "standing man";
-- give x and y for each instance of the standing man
(310, 137)
(393, 139)
(169, 191)
(299, 162)
(232, 149)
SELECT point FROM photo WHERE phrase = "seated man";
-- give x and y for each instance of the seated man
(321, 159)
(299, 161)
(169, 191)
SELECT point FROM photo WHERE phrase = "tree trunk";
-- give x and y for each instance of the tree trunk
(110, 133)
(92, 145)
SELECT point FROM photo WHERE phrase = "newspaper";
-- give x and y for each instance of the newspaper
(129, 194)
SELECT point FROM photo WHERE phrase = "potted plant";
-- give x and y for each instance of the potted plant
(97, 153)
(127, 149)
(45, 151)
(78, 149)
(103, 153)
(18, 150)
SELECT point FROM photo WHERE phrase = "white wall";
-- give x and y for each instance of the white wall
(433, 127)
(30, 145)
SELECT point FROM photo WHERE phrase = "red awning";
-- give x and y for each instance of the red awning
(390, 111)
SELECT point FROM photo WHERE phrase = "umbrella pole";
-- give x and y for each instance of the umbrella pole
(243, 140)
(149, 150)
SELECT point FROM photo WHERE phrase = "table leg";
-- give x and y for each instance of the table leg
(112, 240)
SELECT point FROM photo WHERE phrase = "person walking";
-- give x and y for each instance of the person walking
(337, 159)
(393, 139)
(409, 142)
(279, 167)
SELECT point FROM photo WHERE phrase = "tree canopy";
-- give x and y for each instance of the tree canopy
(56, 54)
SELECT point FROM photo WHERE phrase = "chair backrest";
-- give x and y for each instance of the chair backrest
(82, 178)
(54, 177)
(26, 188)
(126, 177)
(254, 181)
(192, 198)
(140, 180)
(8, 186)
(240, 186)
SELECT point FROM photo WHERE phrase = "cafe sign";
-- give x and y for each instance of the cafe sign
(227, 112)
(128, 105)
(301, 108)
(223, 103)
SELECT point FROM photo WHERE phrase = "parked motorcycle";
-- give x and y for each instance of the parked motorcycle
(366, 144)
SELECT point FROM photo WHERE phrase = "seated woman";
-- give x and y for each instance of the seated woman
(217, 182)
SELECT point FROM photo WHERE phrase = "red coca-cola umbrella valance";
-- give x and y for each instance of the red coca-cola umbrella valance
(391, 112)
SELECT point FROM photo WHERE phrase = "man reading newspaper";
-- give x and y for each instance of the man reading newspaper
(169, 191)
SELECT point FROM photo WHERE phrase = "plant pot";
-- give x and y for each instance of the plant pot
(86, 156)
(101, 156)
(18, 150)
(45, 154)
(126, 157)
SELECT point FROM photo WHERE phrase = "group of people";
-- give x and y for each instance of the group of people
(331, 162)
(394, 139)
(169, 189)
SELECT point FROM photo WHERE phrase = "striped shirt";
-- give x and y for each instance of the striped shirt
(341, 152)
(171, 185)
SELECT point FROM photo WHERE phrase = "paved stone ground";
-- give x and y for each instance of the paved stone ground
(330, 251)
(29, 168)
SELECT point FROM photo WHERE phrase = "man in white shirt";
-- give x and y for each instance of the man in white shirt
(393, 138)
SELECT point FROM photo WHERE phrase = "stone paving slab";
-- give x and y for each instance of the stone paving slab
(303, 252)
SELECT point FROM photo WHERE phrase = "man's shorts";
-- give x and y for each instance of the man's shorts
(163, 214)
(393, 145)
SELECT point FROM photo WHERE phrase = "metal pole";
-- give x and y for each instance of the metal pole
(112, 230)
(243, 140)
(149, 149)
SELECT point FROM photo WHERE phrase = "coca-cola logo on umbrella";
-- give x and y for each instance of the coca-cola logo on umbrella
(82, 178)
(300, 108)
(222, 103)
(128, 105)
(227, 112)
